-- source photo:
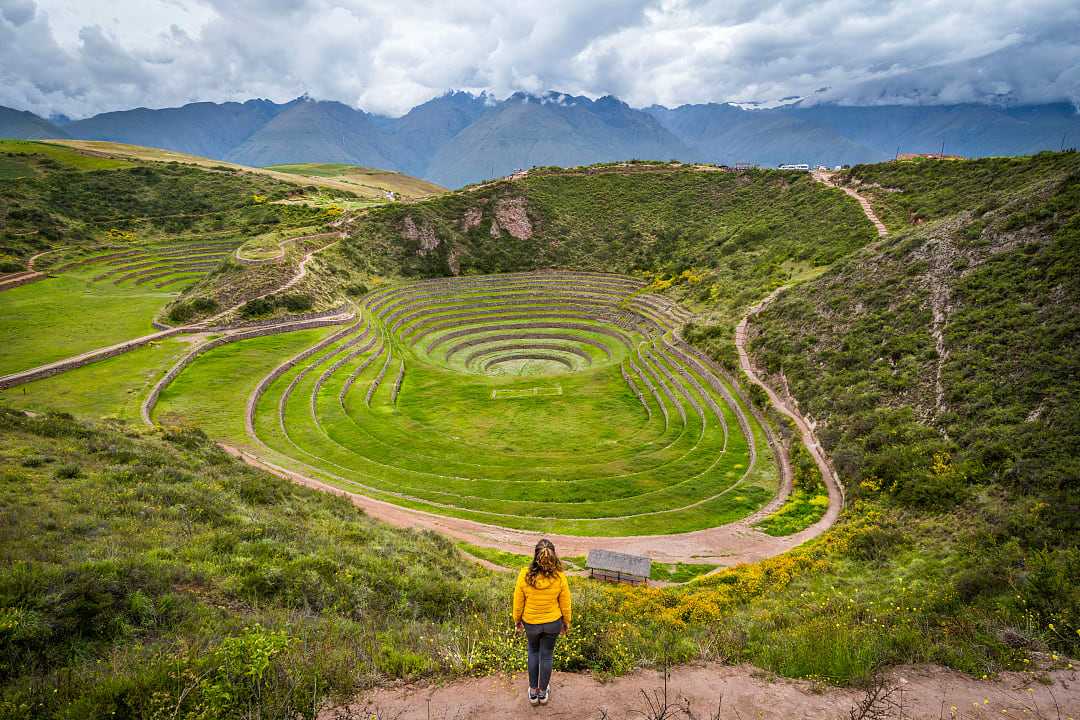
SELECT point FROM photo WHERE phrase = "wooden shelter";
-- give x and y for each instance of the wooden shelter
(618, 567)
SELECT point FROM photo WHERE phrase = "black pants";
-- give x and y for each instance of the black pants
(541, 650)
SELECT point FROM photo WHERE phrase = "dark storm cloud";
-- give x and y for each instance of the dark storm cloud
(386, 56)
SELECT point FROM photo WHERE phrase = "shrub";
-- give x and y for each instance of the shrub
(67, 472)
(204, 305)
(356, 289)
(256, 307)
(295, 302)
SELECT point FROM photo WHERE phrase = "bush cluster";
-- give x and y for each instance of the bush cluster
(197, 307)
(290, 302)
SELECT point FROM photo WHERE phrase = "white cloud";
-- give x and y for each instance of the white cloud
(387, 55)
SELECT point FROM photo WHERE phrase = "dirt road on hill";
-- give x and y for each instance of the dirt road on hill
(741, 692)
(867, 208)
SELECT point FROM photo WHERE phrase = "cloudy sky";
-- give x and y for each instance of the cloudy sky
(81, 57)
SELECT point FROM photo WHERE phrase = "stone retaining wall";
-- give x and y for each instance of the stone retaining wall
(337, 365)
(468, 323)
(659, 375)
(410, 323)
(356, 373)
(332, 312)
(530, 356)
(409, 295)
(636, 390)
(397, 384)
(526, 336)
(530, 326)
(527, 347)
(81, 360)
(20, 281)
(253, 399)
(378, 378)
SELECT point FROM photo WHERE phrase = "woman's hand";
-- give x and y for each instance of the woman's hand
(565, 629)
(520, 626)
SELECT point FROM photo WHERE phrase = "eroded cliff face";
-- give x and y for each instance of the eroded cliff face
(472, 218)
(511, 216)
(423, 235)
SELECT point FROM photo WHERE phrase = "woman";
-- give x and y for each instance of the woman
(542, 610)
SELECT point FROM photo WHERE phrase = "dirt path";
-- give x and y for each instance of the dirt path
(867, 208)
(300, 275)
(806, 433)
(741, 692)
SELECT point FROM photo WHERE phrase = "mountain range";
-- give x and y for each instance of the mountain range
(461, 137)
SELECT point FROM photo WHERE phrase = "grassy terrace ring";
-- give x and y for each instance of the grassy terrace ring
(553, 401)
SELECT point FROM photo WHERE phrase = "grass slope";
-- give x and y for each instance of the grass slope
(365, 182)
(327, 176)
(64, 316)
(150, 573)
(718, 241)
(127, 234)
(943, 367)
(119, 384)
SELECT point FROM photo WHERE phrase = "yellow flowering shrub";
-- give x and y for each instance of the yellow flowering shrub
(119, 236)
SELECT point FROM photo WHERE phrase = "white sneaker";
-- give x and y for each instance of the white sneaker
(545, 694)
(533, 697)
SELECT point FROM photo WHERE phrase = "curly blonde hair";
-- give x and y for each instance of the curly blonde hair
(545, 562)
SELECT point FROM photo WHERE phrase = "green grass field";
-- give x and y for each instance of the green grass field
(118, 384)
(517, 401)
(67, 157)
(63, 316)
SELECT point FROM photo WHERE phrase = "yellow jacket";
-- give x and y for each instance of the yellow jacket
(546, 602)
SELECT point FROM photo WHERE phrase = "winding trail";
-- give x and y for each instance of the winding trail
(806, 431)
(826, 179)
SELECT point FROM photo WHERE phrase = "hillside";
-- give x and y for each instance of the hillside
(716, 240)
(367, 183)
(590, 388)
(58, 194)
(959, 336)
(460, 138)
(26, 126)
(304, 131)
(204, 129)
(941, 364)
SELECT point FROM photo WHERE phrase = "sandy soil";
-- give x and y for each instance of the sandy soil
(739, 692)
